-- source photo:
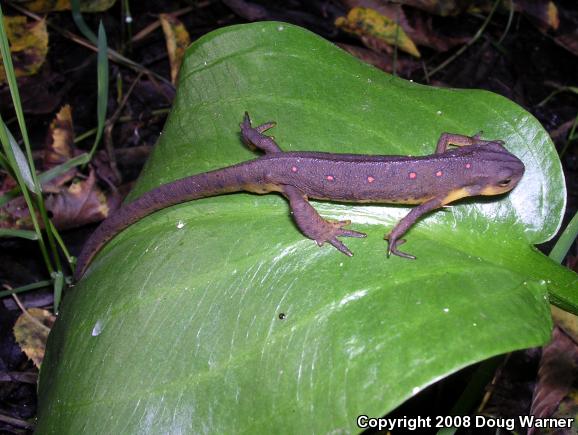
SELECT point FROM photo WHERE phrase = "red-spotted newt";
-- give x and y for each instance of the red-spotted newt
(475, 167)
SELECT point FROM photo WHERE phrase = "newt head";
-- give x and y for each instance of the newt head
(494, 169)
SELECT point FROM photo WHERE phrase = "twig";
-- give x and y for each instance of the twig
(509, 23)
(468, 44)
(156, 24)
(16, 422)
(28, 315)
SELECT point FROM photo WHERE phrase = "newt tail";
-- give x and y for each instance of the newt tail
(227, 180)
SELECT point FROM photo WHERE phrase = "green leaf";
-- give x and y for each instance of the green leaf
(25, 288)
(21, 164)
(80, 23)
(565, 241)
(219, 316)
(24, 234)
(58, 278)
(102, 79)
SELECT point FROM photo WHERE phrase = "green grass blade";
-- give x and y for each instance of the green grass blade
(61, 169)
(37, 201)
(102, 77)
(46, 176)
(58, 285)
(25, 288)
(11, 79)
(23, 234)
(5, 141)
(565, 241)
(21, 162)
(4, 162)
(80, 23)
(71, 260)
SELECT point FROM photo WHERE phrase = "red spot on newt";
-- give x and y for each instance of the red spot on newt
(468, 165)
(439, 173)
(293, 168)
(330, 178)
(412, 175)
(370, 179)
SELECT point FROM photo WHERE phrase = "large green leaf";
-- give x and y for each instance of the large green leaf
(219, 316)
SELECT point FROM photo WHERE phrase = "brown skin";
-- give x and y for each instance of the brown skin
(477, 167)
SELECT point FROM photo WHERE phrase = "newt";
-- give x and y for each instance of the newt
(475, 167)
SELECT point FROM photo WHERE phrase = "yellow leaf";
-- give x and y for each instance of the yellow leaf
(60, 139)
(31, 331)
(553, 17)
(368, 23)
(58, 148)
(44, 6)
(178, 40)
(28, 45)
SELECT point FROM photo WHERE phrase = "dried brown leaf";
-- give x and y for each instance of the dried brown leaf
(44, 6)
(59, 146)
(177, 39)
(28, 45)
(376, 29)
(81, 203)
(543, 13)
(40, 94)
(420, 30)
(31, 331)
(15, 215)
(556, 375)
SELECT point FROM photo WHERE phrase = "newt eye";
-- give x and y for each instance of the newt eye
(505, 182)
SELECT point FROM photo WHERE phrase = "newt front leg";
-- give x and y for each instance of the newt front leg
(306, 217)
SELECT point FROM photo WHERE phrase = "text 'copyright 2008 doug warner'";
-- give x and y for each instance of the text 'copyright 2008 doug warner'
(478, 421)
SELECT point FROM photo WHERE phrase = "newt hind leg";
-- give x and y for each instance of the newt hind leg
(254, 137)
(314, 226)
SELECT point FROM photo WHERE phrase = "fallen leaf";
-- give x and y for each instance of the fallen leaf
(81, 203)
(14, 215)
(382, 61)
(40, 94)
(44, 6)
(177, 39)
(557, 372)
(419, 28)
(31, 331)
(28, 45)
(566, 35)
(443, 8)
(543, 13)
(566, 321)
(58, 147)
(424, 33)
(569, 41)
(375, 29)
(103, 167)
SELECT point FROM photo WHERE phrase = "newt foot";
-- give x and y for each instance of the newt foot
(392, 245)
(332, 230)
